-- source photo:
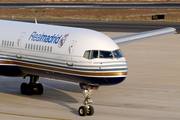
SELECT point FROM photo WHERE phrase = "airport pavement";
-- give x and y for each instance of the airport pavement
(150, 92)
(95, 5)
(105, 26)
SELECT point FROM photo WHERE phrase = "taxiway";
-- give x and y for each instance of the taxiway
(150, 92)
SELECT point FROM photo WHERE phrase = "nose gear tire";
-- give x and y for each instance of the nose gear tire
(90, 110)
(82, 111)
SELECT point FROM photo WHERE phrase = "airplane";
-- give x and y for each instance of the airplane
(78, 55)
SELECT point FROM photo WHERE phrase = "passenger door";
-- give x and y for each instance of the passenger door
(70, 52)
(19, 41)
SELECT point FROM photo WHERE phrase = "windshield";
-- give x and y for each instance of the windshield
(91, 54)
(94, 54)
(87, 54)
(117, 53)
(105, 54)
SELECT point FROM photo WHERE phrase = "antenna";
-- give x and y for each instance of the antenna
(35, 20)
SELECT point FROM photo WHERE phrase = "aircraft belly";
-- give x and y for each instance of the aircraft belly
(11, 70)
(73, 78)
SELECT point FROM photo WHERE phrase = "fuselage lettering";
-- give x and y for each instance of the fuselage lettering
(45, 38)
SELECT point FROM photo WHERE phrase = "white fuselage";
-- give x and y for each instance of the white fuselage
(58, 52)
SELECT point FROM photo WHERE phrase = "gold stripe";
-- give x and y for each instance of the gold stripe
(66, 71)
(32, 116)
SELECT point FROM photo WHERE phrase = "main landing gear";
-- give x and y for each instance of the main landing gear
(32, 87)
(87, 92)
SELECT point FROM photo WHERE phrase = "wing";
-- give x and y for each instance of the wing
(142, 35)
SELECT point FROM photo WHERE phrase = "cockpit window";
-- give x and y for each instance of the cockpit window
(87, 54)
(121, 52)
(117, 53)
(91, 54)
(94, 54)
(105, 54)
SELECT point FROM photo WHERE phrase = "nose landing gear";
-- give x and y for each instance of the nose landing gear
(87, 92)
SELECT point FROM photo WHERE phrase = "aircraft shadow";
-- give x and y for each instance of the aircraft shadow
(54, 91)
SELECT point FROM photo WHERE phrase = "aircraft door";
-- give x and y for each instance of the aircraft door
(70, 53)
(19, 41)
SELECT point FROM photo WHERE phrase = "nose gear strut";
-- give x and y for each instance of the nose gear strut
(87, 93)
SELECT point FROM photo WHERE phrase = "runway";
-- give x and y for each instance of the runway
(150, 92)
(92, 5)
(105, 26)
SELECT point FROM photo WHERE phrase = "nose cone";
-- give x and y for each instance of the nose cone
(118, 72)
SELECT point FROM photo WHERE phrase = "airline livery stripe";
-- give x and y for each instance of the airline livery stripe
(42, 59)
(66, 71)
(71, 68)
(92, 68)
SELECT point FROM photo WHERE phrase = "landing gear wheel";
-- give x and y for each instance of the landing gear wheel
(23, 88)
(90, 110)
(82, 111)
(87, 93)
(39, 89)
(30, 89)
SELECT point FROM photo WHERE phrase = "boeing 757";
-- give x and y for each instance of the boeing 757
(79, 55)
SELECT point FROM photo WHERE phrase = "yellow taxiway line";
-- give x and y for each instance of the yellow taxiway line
(32, 116)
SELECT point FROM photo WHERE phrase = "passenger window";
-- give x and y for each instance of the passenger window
(51, 49)
(45, 48)
(10, 43)
(42, 47)
(26, 46)
(87, 54)
(7, 43)
(48, 48)
(39, 47)
(31, 46)
(36, 47)
(94, 54)
(3, 42)
(105, 54)
(13, 44)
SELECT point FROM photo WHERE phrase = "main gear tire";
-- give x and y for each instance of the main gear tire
(39, 89)
(30, 89)
(24, 88)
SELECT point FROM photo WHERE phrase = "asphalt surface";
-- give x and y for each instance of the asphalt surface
(112, 26)
(93, 5)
